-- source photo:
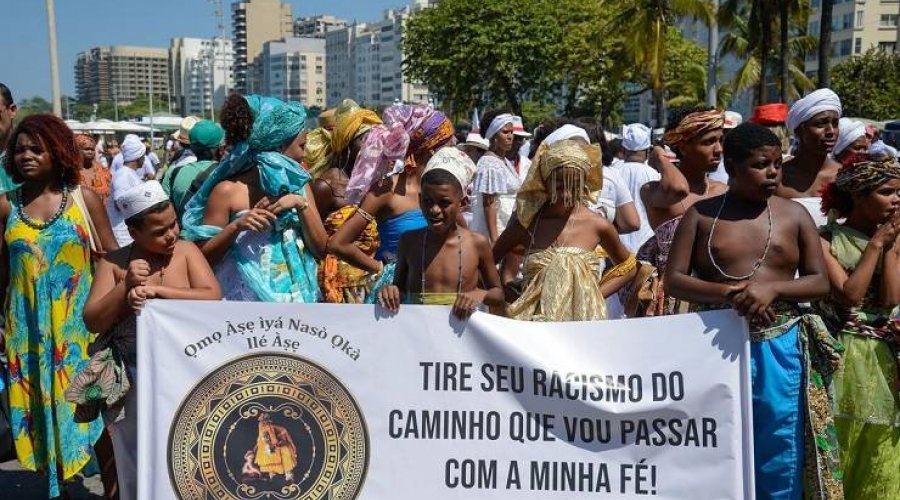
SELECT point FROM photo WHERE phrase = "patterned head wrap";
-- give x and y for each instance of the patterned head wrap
(351, 121)
(85, 141)
(576, 165)
(428, 129)
(383, 146)
(816, 102)
(317, 153)
(860, 174)
(693, 125)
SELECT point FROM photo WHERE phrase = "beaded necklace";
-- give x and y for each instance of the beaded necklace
(40, 226)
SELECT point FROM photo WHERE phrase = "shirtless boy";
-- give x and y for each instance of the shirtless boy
(744, 249)
(444, 263)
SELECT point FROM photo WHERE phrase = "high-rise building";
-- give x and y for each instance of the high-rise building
(294, 69)
(365, 62)
(317, 26)
(201, 74)
(256, 22)
(122, 73)
(856, 27)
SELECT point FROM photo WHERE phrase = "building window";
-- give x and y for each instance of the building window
(859, 19)
(887, 47)
(888, 21)
(857, 48)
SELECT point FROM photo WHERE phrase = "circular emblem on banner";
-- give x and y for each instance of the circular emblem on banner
(268, 426)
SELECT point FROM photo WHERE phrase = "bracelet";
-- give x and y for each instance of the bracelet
(365, 215)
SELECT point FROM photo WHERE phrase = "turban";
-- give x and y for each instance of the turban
(383, 146)
(351, 121)
(317, 153)
(816, 102)
(498, 123)
(434, 131)
(861, 173)
(849, 132)
(276, 124)
(567, 131)
(454, 161)
(879, 148)
(693, 125)
(636, 137)
(581, 174)
(132, 148)
(770, 115)
(85, 141)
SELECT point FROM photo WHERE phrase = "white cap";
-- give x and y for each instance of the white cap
(475, 139)
(733, 119)
(454, 161)
(140, 198)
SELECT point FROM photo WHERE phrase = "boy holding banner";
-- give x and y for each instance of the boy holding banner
(744, 249)
(443, 264)
(156, 265)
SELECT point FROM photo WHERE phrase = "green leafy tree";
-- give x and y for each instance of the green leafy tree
(470, 53)
(869, 85)
(644, 28)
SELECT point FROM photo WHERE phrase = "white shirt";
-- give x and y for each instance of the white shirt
(123, 179)
(720, 174)
(146, 170)
(634, 176)
(613, 195)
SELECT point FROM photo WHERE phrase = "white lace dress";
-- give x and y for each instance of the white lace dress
(494, 176)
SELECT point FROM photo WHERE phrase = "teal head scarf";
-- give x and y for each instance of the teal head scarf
(290, 273)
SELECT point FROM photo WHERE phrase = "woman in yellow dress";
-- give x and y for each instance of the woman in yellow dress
(275, 449)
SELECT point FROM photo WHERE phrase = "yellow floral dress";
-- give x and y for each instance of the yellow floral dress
(47, 342)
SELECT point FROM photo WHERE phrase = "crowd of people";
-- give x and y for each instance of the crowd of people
(791, 219)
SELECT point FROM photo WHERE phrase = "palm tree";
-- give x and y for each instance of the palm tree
(748, 39)
(825, 43)
(643, 26)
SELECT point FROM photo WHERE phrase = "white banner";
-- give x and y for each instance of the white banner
(280, 401)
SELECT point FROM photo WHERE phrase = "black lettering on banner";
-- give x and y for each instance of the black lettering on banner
(637, 479)
(668, 386)
(502, 378)
(512, 476)
(582, 477)
(438, 376)
(471, 474)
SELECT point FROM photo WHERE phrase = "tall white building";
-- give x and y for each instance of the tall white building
(201, 73)
(365, 62)
(856, 26)
(317, 26)
(293, 69)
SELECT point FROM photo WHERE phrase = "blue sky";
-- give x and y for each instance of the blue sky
(81, 24)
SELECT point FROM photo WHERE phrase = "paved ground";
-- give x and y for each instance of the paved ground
(19, 484)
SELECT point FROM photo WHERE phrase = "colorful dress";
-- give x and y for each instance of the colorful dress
(655, 252)
(342, 283)
(795, 448)
(867, 385)
(47, 342)
(100, 183)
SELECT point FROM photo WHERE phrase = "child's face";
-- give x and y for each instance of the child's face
(880, 204)
(704, 151)
(441, 204)
(159, 232)
(757, 176)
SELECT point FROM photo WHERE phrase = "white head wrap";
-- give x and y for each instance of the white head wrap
(567, 131)
(879, 148)
(454, 161)
(636, 137)
(498, 123)
(848, 132)
(139, 198)
(811, 105)
(132, 148)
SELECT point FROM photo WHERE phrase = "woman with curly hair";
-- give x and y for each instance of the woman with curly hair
(862, 256)
(49, 227)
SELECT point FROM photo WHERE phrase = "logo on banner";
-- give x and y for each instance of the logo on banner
(268, 426)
